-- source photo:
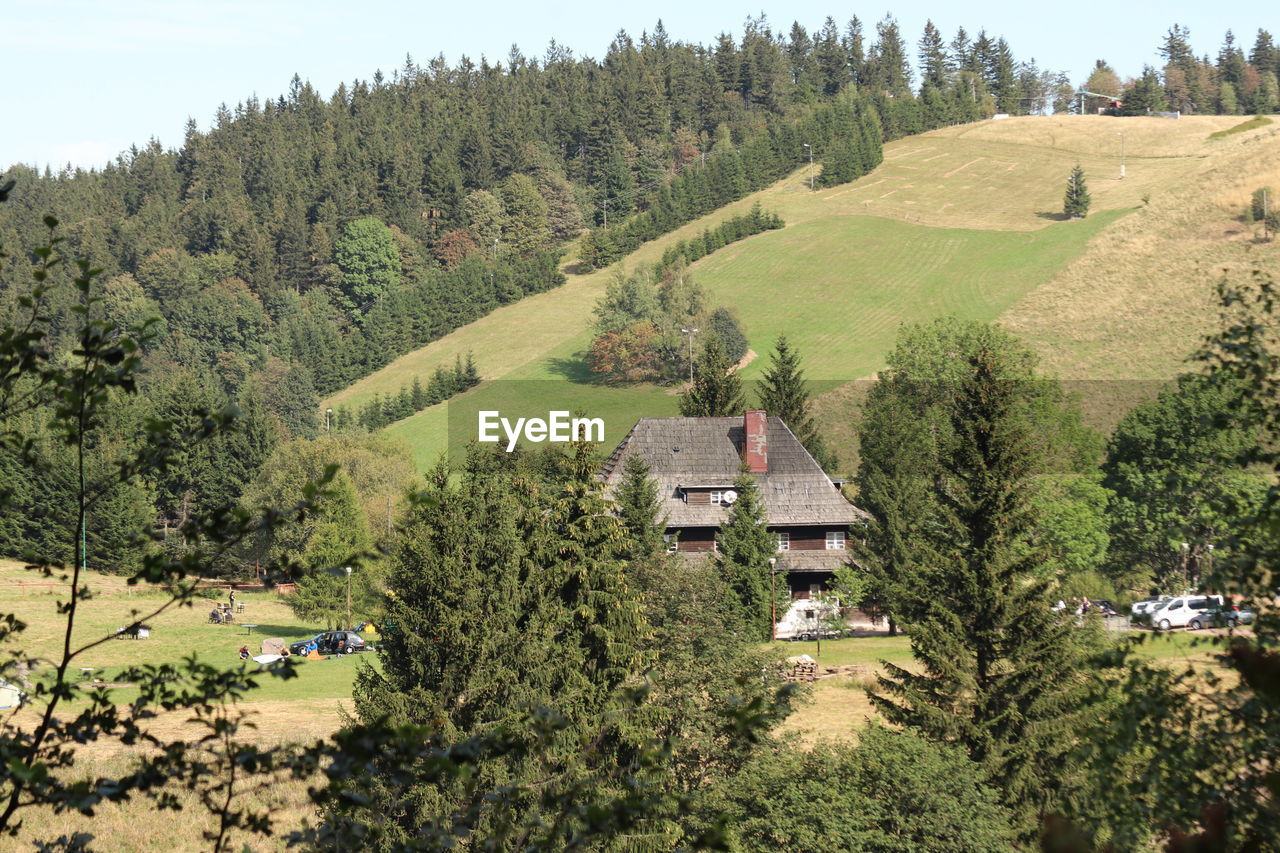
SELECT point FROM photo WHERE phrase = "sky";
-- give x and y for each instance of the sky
(85, 79)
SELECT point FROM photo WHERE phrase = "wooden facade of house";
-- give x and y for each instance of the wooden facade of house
(695, 462)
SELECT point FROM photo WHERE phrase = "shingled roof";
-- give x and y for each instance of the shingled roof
(707, 452)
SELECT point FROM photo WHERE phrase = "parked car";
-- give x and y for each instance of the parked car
(332, 643)
(1225, 615)
(1179, 612)
(1146, 605)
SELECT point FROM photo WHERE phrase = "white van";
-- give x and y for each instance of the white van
(1180, 611)
(810, 618)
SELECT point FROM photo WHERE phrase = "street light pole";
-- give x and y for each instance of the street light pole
(348, 598)
(689, 333)
(773, 598)
(1121, 135)
(810, 147)
(1186, 554)
(328, 416)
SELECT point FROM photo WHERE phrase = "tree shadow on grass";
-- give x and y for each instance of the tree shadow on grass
(263, 632)
(574, 369)
(1055, 217)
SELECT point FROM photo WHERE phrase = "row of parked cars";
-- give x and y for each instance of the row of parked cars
(1190, 611)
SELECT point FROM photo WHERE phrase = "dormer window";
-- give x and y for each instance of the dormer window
(784, 541)
(835, 540)
(717, 496)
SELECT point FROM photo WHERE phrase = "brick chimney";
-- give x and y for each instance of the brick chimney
(755, 425)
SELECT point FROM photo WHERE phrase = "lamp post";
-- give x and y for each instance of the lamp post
(810, 148)
(328, 419)
(690, 333)
(1208, 558)
(1120, 133)
(773, 598)
(1186, 555)
(348, 598)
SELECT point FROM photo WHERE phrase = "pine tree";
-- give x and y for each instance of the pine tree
(935, 66)
(469, 610)
(716, 391)
(638, 508)
(581, 545)
(744, 546)
(782, 392)
(1075, 203)
(999, 669)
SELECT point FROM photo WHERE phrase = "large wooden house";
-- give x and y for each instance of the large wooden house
(695, 462)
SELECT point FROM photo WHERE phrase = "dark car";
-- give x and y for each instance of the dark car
(1226, 615)
(332, 643)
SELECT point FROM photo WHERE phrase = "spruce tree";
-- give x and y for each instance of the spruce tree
(638, 508)
(999, 670)
(744, 546)
(472, 620)
(783, 393)
(716, 390)
(1075, 203)
(581, 546)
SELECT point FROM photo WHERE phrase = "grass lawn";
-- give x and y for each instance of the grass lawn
(181, 631)
(833, 708)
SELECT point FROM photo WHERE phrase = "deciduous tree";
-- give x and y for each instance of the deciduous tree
(367, 258)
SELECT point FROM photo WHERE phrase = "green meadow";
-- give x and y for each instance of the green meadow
(958, 221)
(842, 314)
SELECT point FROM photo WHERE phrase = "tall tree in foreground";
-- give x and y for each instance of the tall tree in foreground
(783, 393)
(506, 594)
(1000, 671)
(716, 390)
(744, 547)
(1075, 203)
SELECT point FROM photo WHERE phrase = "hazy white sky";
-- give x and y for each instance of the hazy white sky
(84, 79)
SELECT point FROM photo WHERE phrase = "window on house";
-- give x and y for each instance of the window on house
(784, 541)
(717, 497)
(835, 540)
(673, 544)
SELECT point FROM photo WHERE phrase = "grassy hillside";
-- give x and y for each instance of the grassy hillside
(962, 220)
